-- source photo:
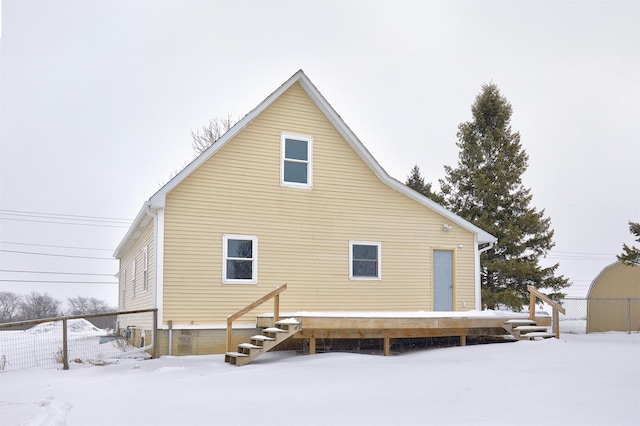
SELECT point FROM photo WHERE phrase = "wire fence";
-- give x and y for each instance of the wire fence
(591, 315)
(70, 341)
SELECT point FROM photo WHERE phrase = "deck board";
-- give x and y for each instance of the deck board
(364, 325)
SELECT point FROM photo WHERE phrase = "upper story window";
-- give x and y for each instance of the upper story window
(296, 165)
(240, 259)
(364, 260)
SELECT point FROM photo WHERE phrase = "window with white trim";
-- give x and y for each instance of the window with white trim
(123, 277)
(296, 166)
(133, 278)
(364, 260)
(145, 268)
(239, 259)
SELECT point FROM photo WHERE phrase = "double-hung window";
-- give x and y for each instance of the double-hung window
(145, 275)
(296, 165)
(123, 277)
(364, 260)
(133, 278)
(239, 259)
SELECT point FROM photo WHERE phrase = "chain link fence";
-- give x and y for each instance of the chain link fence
(69, 341)
(600, 315)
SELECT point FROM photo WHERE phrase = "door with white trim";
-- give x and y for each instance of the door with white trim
(443, 280)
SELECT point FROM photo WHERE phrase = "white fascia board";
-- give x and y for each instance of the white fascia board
(335, 119)
(158, 199)
(141, 220)
(601, 273)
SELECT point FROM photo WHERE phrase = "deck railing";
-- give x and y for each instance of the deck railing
(275, 295)
(533, 294)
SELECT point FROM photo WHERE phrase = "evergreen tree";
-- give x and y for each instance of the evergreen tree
(486, 189)
(631, 255)
(416, 182)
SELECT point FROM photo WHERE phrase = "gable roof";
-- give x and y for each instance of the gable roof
(157, 201)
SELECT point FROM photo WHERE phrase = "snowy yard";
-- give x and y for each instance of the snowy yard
(589, 379)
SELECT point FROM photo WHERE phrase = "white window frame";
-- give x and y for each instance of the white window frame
(309, 161)
(145, 268)
(379, 260)
(254, 258)
(133, 278)
(123, 276)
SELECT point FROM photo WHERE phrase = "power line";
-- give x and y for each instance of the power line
(55, 273)
(57, 282)
(56, 255)
(65, 223)
(65, 247)
(569, 253)
(80, 217)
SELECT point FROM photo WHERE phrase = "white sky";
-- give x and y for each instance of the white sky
(98, 100)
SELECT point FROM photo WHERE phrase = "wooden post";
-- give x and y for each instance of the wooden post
(65, 348)
(463, 340)
(276, 309)
(556, 323)
(386, 345)
(532, 306)
(229, 331)
(312, 345)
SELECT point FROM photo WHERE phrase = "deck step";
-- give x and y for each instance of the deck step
(290, 321)
(520, 321)
(261, 343)
(529, 328)
(261, 338)
(249, 346)
(526, 329)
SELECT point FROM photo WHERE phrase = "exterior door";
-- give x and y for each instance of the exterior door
(443, 280)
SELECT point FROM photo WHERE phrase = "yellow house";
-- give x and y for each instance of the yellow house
(614, 299)
(290, 195)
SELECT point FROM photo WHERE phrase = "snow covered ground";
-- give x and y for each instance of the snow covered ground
(589, 379)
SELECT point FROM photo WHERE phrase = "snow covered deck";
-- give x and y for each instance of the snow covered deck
(393, 325)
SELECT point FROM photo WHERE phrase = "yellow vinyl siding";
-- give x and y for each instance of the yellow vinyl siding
(303, 235)
(143, 299)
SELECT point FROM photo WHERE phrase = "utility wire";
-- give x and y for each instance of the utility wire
(80, 217)
(56, 273)
(57, 282)
(65, 223)
(56, 255)
(64, 247)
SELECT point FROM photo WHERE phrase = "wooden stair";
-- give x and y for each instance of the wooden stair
(262, 343)
(525, 329)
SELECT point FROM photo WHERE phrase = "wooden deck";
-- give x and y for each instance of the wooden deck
(394, 325)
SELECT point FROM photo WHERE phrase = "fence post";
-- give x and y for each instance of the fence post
(65, 347)
(629, 315)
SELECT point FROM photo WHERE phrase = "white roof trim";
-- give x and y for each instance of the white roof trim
(605, 269)
(157, 201)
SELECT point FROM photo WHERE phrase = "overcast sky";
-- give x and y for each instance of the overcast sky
(99, 98)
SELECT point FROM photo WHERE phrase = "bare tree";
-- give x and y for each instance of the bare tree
(9, 306)
(39, 305)
(88, 305)
(211, 132)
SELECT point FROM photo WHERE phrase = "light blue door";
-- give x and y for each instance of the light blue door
(443, 280)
